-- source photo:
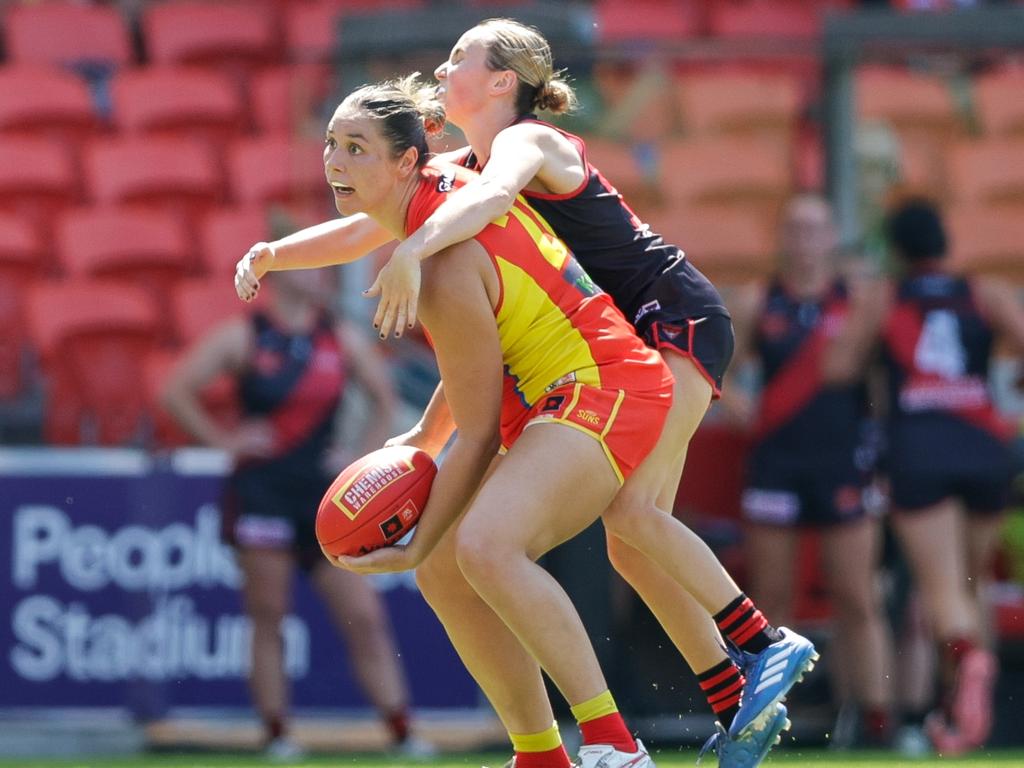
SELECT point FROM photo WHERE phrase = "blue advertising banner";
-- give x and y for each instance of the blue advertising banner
(119, 592)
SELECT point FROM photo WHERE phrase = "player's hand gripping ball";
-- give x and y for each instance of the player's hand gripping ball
(375, 501)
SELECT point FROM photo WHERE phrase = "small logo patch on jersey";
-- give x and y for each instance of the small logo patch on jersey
(588, 416)
(569, 378)
(669, 332)
(553, 403)
(646, 309)
(447, 182)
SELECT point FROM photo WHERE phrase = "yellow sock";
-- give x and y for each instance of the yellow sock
(544, 741)
(599, 706)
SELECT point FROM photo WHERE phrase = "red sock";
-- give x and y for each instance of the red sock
(398, 724)
(956, 648)
(608, 729)
(552, 758)
(274, 727)
(877, 725)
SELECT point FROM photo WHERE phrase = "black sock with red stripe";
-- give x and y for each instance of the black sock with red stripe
(722, 685)
(745, 627)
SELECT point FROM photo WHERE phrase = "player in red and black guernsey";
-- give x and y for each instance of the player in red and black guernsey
(497, 75)
(811, 459)
(949, 462)
(290, 363)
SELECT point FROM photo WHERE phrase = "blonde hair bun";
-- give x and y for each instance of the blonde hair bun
(556, 96)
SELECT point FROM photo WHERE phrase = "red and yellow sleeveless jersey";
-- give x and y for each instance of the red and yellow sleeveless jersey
(555, 325)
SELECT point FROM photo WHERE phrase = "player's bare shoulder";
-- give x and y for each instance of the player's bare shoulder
(563, 168)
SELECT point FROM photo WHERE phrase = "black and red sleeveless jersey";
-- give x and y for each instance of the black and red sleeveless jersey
(619, 251)
(937, 347)
(798, 411)
(296, 381)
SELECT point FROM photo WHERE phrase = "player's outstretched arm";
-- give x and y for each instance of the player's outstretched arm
(517, 155)
(338, 241)
(456, 307)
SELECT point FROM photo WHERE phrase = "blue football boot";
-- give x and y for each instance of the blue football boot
(750, 748)
(769, 676)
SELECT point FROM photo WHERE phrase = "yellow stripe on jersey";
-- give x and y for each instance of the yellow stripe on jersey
(539, 342)
(553, 249)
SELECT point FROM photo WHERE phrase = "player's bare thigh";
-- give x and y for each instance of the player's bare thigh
(553, 483)
(691, 396)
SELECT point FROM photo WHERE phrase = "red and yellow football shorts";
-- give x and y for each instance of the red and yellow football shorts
(627, 424)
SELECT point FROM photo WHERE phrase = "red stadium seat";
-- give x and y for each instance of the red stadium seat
(66, 33)
(44, 101)
(37, 179)
(728, 244)
(770, 18)
(919, 107)
(631, 169)
(146, 248)
(634, 99)
(280, 169)
(311, 29)
(988, 241)
(21, 255)
(738, 102)
(997, 98)
(619, 20)
(200, 305)
(177, 101)
(226, 235)
(220, 399)
(724, 169)
(988, 172)
(174, 173)
(290, 99)
(619, 163)
(94, 338)
(192, 32)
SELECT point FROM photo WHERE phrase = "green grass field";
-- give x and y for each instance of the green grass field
(790, 757)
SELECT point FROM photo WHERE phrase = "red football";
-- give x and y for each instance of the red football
(375, 500)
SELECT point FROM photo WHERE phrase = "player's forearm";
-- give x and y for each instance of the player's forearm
(338, 241)
(463, 215)
(456, 482)
(436, 425)
(186, 410)
(378, 427)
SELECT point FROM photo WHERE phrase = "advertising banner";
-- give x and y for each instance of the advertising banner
(119, 592)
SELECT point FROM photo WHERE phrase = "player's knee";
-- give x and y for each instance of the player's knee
(437, 577)
(854, 606)
(476, 556)
(265, 613)
(627, 514)
(620, 554)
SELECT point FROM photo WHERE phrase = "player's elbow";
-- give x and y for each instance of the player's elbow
(496, 199)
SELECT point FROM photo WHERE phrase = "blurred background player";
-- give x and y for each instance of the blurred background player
(291, 363)
(496, 75)
(949, 463)
(809, 466)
